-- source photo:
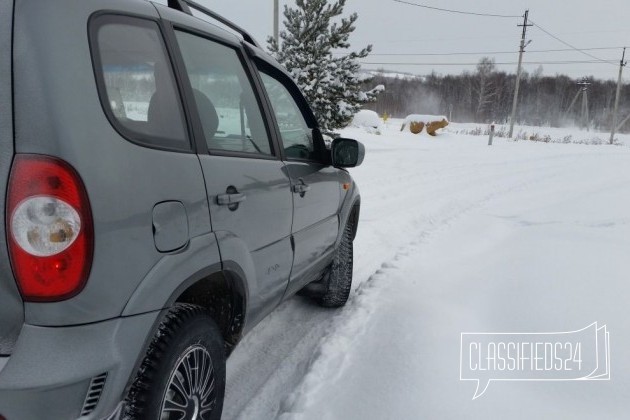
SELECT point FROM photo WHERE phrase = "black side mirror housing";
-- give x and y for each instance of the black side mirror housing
(347, 153)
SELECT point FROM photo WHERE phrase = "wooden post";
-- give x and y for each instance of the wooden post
(518, 73)
(584, 84)
(585, 118)
(491, 134)
(619, 82)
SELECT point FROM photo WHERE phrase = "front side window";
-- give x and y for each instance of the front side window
(228, 109)
(297, 137)
(140, 93)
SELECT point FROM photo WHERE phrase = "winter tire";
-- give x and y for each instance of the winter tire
(340, 274)
(182, 376)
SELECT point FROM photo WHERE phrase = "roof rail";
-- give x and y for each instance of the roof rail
(185, 5)
(179, 5)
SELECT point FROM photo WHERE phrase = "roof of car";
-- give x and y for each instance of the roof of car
(208, 23)
(187, 6)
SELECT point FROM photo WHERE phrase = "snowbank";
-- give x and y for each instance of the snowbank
(367, 119)
(424, 118)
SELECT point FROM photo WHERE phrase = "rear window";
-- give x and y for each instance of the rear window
(136, 81)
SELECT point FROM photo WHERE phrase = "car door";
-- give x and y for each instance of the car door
(314, 182)
(247, 184)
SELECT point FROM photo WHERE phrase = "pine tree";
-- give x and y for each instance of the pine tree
(331, 84)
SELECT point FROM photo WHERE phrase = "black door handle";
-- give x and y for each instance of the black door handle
(232, 198)
(227, 199)
(301, 188)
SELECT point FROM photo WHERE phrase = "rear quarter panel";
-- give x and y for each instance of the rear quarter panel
(58, 113)
(11, 309)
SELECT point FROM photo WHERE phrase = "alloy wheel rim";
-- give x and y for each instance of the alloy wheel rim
(190, 393)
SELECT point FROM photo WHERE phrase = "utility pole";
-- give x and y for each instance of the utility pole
(622, 64)
(518, 72)
(585, 109)
(276, 19)
(584, 83)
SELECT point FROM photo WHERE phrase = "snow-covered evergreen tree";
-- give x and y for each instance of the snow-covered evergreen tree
(331, 83)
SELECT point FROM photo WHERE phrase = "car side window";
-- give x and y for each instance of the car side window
(296, 135)
(230, 113)
(136, 81)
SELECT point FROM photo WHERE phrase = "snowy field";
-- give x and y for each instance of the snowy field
(454, 237)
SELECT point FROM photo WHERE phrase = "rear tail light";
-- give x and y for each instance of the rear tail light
(50, 228)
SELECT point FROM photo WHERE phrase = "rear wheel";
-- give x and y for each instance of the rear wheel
(182, 376)
(339, 281)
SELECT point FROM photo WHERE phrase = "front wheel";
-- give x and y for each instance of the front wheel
(182, 376)
(340, 274)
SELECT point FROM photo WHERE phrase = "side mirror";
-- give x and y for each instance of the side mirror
(347, 153)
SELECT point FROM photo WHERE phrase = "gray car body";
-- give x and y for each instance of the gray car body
(50, 352)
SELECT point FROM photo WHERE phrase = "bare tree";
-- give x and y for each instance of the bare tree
(483, 87)
(486, 95)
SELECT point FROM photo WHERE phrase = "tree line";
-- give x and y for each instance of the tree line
(486, 94)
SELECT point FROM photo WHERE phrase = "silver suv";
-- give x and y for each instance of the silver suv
(166, 188)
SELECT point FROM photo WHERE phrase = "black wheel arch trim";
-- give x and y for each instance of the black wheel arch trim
(230, 269)
(349, 213)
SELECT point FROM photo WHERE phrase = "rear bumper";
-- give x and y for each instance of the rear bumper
(50, 370)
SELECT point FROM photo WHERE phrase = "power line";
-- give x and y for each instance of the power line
(582, 51)
(442, 39)
(456, 11)
(569, 45)
(485, 52)
(498, 64)
(440, 54)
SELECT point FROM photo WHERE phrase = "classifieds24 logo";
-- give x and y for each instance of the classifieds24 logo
(552, 356)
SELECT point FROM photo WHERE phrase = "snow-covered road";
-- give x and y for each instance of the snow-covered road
(455, 236)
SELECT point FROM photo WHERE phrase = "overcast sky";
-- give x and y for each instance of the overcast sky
(397, 28)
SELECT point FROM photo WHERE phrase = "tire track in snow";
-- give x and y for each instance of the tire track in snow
(328, 361)
(289, 348)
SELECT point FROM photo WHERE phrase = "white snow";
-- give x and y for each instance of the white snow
(394, 75)
(368, 119)
(423, 118)
(456, 236)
